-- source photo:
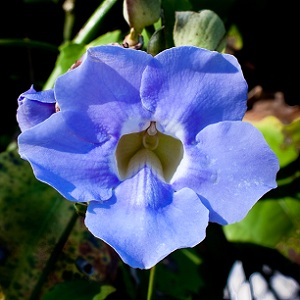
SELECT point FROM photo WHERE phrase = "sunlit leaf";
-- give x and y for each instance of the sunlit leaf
(69, 53)
(107, 38)
(234, 38)
(269, 223)
(105, 291)
(282, 138)
(292, 134)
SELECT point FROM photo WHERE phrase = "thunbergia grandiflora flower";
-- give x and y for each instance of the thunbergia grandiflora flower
(154, 145)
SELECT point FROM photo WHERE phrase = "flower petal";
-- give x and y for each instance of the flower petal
(105, 90)
(230, 167)
(79, 170)
(34, 107)
(188, 88)
(145, 221)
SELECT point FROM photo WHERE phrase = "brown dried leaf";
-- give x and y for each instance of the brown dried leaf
(262, 105)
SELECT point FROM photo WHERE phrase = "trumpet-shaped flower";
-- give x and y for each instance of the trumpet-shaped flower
(154, 145)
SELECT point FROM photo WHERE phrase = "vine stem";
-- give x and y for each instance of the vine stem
(151, 283)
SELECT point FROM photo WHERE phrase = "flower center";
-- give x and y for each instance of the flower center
(150, 137)
(150, 148)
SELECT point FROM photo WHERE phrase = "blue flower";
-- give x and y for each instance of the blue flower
(155, 145)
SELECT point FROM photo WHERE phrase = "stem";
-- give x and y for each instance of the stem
(151, 283)
(86, 34)
(69, 22)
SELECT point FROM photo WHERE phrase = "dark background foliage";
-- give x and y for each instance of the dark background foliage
(269, 57)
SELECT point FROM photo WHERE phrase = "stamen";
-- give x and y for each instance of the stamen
(57, 108)
(152, 128)
(150, 137)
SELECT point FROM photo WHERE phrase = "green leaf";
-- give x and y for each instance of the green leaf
(267, 222)
(202, 29)
(107, 38)
(33, 223)
(283, 139)
(75, 290)
(235, 38)
(69, 54)
(292, 134)
(270, 223)
(105, 291)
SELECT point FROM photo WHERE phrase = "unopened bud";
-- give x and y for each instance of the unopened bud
(157, 42)
(141, 13)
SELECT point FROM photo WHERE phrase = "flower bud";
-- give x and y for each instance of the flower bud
(141, 13)
(156, 43)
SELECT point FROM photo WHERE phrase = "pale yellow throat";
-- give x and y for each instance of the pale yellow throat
(160, 152)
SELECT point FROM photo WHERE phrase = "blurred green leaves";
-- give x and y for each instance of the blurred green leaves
(34, 224)
(282, 138)
(275, 220)
(270, 222)
(178, 277)
(79, 290)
